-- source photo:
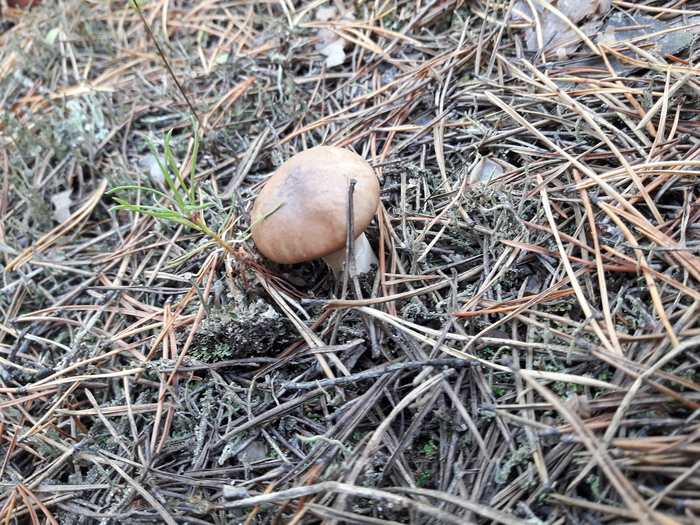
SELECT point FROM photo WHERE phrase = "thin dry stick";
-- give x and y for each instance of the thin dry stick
(431, 511)
(626, 402)
(624, 488)
(689, 262)
(163, 385)
(147, 27)
(604, 301)
(588, 311)
(378, 436)
(40, 423)
(653, 290)
(198, 318)
(30, 495)
(173, 389)
(113, 432)
(311, 338)
(152, 501)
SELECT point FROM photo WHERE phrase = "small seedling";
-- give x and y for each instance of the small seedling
(186, 206)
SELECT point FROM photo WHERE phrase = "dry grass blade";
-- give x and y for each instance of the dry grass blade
(60, 231)
(145, 494)
(632, 498)
(650, 281)
(353, 490)
(582, 300)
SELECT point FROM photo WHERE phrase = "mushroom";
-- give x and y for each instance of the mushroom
(24, 4)
(312, 221)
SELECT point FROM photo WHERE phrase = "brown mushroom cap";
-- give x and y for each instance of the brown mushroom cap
(312, 222)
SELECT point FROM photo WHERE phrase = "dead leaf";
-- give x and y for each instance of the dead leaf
(484, 171)
(334, 53)
(329, 43)
(152, 168)
(549, 33)
(580, 405)
(61, 206)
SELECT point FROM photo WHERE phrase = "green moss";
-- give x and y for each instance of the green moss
(238, 331)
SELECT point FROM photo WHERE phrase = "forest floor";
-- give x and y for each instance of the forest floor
(525, 352)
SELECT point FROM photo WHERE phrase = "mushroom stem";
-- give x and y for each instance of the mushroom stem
(364, 257)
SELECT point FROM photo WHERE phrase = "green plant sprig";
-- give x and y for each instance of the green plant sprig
(186, 208)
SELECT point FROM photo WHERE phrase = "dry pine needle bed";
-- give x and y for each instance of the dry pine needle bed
(525, 351)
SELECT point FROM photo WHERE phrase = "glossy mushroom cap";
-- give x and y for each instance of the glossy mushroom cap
(312, 222)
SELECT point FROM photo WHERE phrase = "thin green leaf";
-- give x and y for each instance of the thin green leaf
(170, 158)
(263, 218)
(138, 207)
(120, 188)
(185, 222)
(142, 188)
(164, 213)
(163, 168)
(195, 151)
(228, 218)
(189, 254)
(154, 152)
(174, 202)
